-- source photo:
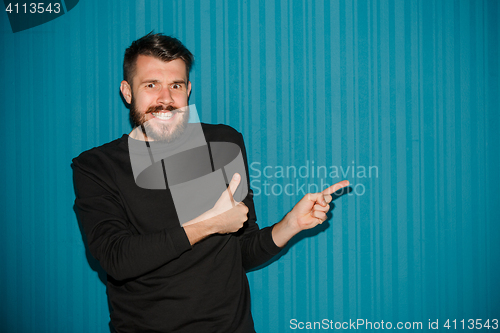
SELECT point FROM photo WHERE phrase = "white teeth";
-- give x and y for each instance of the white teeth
(163, 115)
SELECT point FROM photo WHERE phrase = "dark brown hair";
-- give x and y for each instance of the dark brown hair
(165, 48)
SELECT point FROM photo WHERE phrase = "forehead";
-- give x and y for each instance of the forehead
(151, 68)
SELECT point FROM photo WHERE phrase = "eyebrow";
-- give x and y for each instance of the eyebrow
(149, 81)
(158, 81)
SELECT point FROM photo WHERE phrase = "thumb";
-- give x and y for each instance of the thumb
(235, 181)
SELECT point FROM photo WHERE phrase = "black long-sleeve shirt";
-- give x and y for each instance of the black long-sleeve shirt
(157, 281)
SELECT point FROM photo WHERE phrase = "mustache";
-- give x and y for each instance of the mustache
(170, 108)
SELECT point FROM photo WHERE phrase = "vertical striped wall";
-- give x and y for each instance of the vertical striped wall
(406, 91)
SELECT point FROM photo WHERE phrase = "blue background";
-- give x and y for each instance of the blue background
(410, 87)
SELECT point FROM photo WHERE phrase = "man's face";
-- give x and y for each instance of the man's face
(157, 89)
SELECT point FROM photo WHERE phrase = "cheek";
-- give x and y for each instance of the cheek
(143, 102)
(181, 99)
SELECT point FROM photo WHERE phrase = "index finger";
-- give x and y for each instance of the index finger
(335, 187)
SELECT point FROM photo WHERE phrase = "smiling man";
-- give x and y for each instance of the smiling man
(165, 275)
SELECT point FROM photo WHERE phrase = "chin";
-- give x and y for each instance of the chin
(164, 133)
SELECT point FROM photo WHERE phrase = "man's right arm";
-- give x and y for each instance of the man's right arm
(124, 253)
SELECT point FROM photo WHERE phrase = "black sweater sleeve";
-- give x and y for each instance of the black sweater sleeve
(257, 245)
(122, 252)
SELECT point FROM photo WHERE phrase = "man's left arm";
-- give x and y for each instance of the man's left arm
(258, 246)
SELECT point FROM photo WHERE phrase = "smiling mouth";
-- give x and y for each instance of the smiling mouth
(163, 115)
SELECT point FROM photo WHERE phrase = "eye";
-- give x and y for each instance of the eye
(177, 86)
(151, 85)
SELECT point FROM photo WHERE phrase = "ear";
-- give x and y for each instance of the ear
(126, 91)
(189, 88)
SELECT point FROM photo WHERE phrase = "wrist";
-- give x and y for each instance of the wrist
(211, 225)
(200, 228)
(291, 224)
(284, 230)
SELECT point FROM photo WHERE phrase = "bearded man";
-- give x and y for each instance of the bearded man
(165, 275)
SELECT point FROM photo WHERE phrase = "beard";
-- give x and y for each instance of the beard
(157, 130)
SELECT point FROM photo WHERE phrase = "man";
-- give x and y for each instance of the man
(166, 276)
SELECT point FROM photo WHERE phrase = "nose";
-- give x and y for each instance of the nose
(165, 96)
